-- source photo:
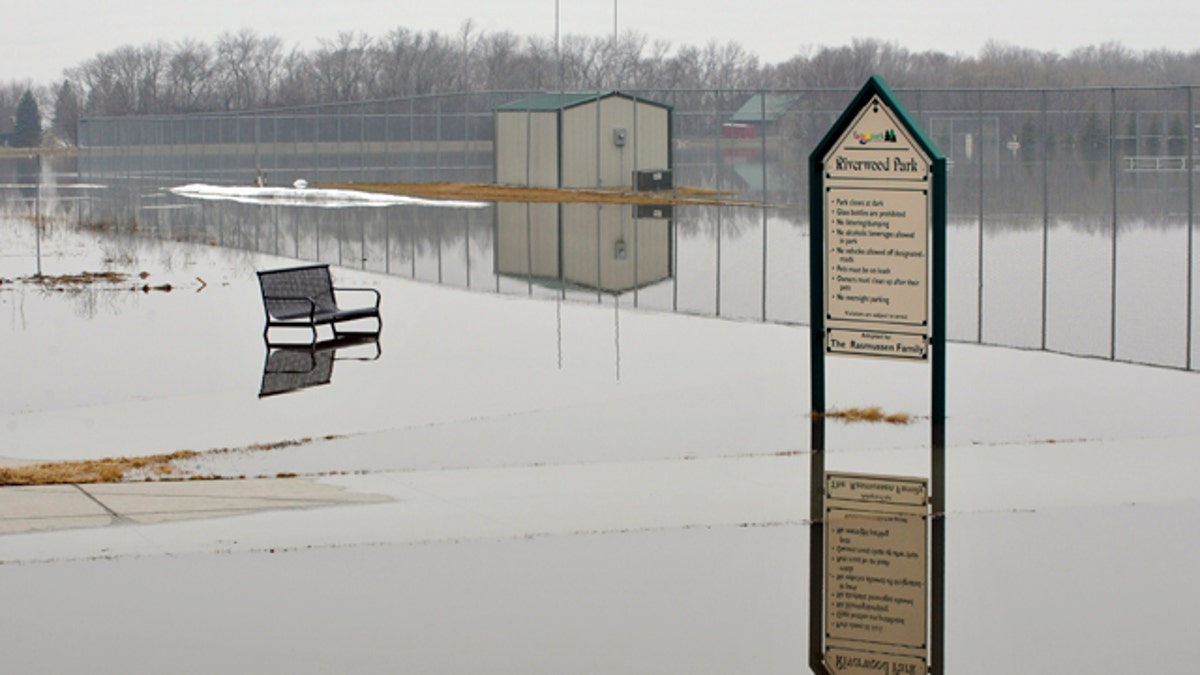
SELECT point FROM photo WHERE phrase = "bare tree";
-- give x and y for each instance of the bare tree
(342, 67)
(247, 69)
(114, 81)
(190, 77)
(244, 70)
(502, 65)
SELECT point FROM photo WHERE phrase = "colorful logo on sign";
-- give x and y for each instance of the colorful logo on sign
(888, 136)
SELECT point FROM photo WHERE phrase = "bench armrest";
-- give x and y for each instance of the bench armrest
(341, 289)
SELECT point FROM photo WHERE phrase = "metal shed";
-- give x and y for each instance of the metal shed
(581, 140)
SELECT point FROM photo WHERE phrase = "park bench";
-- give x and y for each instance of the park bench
(305, 297)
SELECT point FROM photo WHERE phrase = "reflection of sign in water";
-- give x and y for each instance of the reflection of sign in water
(876, 581)
(877, 218)
(849, 662)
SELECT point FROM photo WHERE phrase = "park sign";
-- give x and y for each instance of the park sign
(878, 190)
(877, 280)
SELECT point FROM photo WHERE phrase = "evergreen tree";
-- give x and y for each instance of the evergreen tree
(66, 113)
(1177, 139)
(1093, 139)
(27, 127)
(1028, 141)
(1128, 145)
(1153, 144)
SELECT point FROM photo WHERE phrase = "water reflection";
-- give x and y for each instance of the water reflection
(877, 575)
(289, 368)
(612, 248)
(1080, 285)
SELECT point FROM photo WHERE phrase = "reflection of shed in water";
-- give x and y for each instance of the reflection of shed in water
(613, 248)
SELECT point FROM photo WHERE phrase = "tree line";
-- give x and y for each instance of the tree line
(246, 70)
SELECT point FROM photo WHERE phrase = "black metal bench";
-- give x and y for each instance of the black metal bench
(305, 297)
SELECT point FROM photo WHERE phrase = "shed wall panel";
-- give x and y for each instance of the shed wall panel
(653, 143)
(580, 147)
(526, 148)
(615, 161)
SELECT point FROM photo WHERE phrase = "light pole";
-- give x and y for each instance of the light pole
(37, 211)
(557, 48)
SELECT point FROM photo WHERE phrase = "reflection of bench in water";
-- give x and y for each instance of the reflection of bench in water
(292, 367)
(305, 297)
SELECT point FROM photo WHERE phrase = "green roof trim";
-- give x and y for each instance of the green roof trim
(764, 108)
(554, 100)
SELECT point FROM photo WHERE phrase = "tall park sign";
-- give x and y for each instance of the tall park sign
(877, 203)
(878, 199)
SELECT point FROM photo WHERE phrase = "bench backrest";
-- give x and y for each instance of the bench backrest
(310, 281)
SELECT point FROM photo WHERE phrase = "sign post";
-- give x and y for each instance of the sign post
(877, 213)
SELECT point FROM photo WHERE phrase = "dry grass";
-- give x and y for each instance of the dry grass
(108, 470)
(871, 414)
(516, 193)
(71, 282)
(81, 279)
(121, 469)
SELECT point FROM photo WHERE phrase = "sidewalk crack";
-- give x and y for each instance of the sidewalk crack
(116, 516)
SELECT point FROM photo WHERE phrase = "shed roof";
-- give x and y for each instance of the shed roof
(765, 108)
(566, 99)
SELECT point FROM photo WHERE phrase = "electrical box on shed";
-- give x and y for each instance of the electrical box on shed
(652, 180)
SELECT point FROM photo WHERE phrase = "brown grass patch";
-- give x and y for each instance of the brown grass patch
(62, 282)
(871, 414)
(118, 469)
(81, 279)
(108, 470)
(485, 192)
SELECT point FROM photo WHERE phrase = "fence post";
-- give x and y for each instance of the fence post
(1045, 214)
(1191, 222)
(978, 142)
(1112, 173)
(763, 120)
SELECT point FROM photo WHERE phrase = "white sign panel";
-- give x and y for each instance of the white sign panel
(877, 221)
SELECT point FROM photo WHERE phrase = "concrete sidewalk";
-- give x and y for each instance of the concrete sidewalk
(86, 522)
(66, 507)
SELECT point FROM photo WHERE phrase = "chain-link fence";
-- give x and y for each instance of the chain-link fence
(1054, 193)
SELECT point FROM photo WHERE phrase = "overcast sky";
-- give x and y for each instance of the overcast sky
(38, 40)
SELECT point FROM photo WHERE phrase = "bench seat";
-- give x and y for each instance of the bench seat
(305, 297)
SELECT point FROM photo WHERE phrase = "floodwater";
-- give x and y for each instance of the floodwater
(586, 479)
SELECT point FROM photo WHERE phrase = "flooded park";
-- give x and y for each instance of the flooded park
(581, 441)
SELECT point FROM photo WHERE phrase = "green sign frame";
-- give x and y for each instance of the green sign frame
(909, 329)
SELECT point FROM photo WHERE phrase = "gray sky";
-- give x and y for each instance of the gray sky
(40, 39)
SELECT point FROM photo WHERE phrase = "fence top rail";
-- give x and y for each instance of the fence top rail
(336, 106)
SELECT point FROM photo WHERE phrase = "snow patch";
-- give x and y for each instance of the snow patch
(314, 197)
